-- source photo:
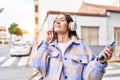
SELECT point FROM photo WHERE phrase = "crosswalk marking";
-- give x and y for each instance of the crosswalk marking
(23, 61)
(111, 78)
(109, 67)
(14, 61)
(116, 63)
(113, 72)
(2, 59)
(36, 78)
(9, 62)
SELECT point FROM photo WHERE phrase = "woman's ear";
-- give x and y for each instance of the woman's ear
(72, 26)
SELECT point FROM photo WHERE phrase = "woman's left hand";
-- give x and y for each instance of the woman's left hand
(107, 54)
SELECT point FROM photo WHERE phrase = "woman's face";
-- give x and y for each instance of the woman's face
(60, 24)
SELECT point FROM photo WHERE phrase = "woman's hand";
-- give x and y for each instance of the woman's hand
(107, 54)
(48, 36)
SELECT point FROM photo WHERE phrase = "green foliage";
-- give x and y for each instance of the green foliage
(6, 42)
(18, 32)
(14, 29)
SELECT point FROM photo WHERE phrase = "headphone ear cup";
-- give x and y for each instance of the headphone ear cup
(72, 26)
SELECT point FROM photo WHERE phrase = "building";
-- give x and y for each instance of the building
(3, 35)
(110, 29)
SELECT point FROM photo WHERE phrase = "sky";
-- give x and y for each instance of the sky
(22, 11)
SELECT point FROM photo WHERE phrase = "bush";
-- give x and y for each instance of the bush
(6, 42)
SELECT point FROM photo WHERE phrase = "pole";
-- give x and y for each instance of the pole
(1, 9)
(36, 30)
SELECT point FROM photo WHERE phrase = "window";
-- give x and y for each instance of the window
(36, 8)
(117, 36)
(90, 34)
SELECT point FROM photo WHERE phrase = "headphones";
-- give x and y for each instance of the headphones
(72, 26)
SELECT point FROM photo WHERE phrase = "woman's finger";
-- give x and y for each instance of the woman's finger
(107, 53)
(49, 32)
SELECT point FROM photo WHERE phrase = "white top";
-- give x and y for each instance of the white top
(63, 47)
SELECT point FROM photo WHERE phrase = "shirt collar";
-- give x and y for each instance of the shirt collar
(73, 40)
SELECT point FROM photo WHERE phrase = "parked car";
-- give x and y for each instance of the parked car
(20, 48)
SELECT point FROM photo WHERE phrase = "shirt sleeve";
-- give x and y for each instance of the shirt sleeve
(93, 70)
(40, 62)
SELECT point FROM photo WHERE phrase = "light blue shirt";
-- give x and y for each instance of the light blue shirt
(78, 62)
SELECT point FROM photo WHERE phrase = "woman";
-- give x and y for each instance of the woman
(63, 56)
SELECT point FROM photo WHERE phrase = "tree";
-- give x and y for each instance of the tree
(12, 28)
(15, 30)
(18, 32)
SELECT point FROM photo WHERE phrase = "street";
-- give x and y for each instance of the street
(14, 68)
(112, 71)
(19, 68)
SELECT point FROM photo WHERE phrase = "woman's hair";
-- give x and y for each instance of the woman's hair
(70, 33)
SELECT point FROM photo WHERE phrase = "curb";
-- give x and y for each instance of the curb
(113, 60)
(2, 46)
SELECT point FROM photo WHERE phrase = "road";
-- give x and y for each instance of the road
(14, 68)
(19, 68)
(4, 50)
(112, 71)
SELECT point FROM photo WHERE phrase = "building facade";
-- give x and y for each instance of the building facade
(3, 35)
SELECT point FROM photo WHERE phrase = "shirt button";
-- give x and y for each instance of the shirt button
(65, 58)
(65, 77)
(80, 60)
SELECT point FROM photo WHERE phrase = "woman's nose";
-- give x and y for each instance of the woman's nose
(58, 22)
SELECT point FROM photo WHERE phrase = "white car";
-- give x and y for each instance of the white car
(20, 48)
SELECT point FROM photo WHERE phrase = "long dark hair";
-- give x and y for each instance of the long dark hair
(70, 33)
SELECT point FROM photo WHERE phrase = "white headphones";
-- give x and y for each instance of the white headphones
(73, 26)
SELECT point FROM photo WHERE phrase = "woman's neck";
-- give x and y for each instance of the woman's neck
(63, 38)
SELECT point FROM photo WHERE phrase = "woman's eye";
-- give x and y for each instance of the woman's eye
(62, 20)
(55, 21)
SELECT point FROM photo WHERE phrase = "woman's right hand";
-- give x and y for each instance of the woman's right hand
(48, 35)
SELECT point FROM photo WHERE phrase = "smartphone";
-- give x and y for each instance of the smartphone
(101, 56)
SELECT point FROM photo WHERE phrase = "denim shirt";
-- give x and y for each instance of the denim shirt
(78, 62)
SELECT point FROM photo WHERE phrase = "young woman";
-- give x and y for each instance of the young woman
(63, 56)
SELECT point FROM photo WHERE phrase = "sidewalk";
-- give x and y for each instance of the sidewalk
(3, 45)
